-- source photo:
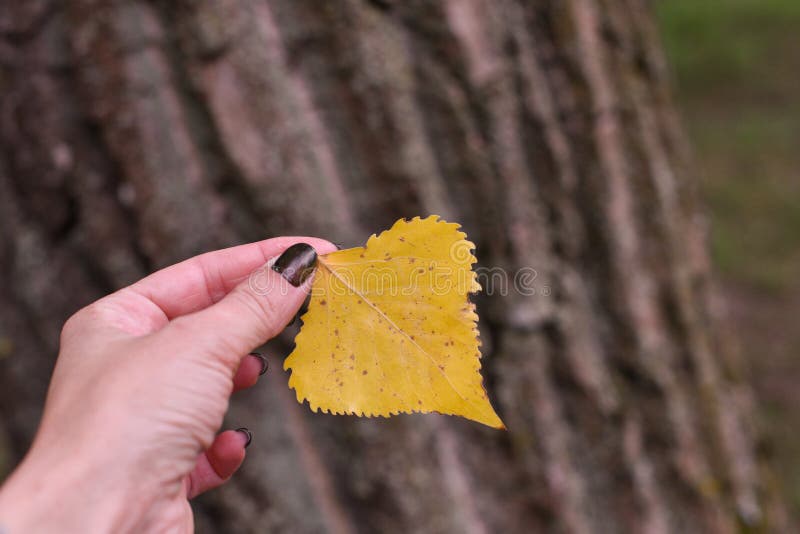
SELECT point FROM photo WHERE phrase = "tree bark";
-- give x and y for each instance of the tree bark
(137, 133)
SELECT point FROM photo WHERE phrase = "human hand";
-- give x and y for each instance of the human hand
(140, 389)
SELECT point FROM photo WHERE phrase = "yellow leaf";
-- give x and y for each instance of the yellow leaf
(390, 329)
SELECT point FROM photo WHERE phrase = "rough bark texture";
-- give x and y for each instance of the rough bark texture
(137, 133)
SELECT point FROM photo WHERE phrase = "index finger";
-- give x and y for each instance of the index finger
(203, 280)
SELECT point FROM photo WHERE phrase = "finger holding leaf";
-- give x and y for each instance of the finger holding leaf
(390, 328)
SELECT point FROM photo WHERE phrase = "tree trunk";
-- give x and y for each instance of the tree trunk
(137, 133)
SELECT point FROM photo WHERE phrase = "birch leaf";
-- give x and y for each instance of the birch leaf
(389, 328)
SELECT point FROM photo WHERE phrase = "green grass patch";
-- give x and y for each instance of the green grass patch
(736, 65)
(728, 43)
(737, 71)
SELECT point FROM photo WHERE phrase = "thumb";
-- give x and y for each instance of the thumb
(255, 311)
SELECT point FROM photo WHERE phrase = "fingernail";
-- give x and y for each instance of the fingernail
(247, 433)
(303, 309)
(296, 263)
(264, 362)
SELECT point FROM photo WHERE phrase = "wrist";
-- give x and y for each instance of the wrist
(55, 491)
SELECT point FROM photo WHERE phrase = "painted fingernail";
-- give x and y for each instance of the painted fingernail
(247, 433)
(303, 309)
(296, 263)
(264, 362)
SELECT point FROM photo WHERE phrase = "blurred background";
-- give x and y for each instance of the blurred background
(640, 155)
(737, 79)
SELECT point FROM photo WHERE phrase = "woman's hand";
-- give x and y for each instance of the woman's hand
(140, 389)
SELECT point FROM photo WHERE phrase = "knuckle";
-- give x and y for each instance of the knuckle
(77, 322)
(70, 326)
(206, 348)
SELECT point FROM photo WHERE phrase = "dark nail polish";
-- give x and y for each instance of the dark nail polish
(296, 263)
(247, 433)
(303, 309)
(264, 362)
